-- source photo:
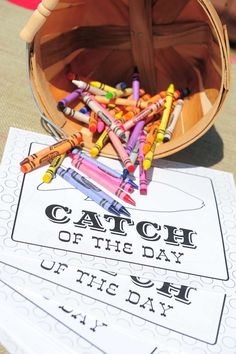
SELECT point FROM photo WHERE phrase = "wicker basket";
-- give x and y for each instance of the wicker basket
(178, 41)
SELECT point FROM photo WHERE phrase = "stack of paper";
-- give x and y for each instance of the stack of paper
(76, 279)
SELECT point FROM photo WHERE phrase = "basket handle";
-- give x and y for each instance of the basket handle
(37, 19)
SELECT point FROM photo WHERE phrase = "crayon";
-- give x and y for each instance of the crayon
(46, 155)
(125, 174)
(104, 114)
(81, 117)
(134, 136)
(85, 86)
(130, 114)
(120, 150)
(100, 125)
(104, 137)
(123, 93)
(93, 122)
(142, 171)
(166, 113)
(134, 153)
(122, 101)
(152, 109)
(121, 85)
(51, 171)
(139, 126)
(133, 157)
(119, 93)
(102, 179)
(135, 110)
(100, 143)
(87, 188)
(151, 137)
(173, 120)
(104, 167)
(80, 159)
(84, 110)
(146, 97)
(181, 93)
(147, 162)
(111, 91)
(68, 99)
(132, 110)
(79, 162)
(135, 84)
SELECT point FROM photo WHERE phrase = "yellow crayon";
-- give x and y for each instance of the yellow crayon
(112, 91)
(100, 143)
(166, 113)
(119, 115)
(147, 162)
(51, 171)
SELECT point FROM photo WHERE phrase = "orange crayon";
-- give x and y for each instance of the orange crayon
(122, 101)
(151, 137)
(46, 155)
(93, 121)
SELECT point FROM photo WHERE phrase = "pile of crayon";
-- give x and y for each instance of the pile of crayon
(103, 175)
(133, 121)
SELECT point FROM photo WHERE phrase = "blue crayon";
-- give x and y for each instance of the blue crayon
(104, 167)
(90, 190)
(84, 110)
(121, 86)
(125, 173)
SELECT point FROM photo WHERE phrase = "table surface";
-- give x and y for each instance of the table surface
(216, 149)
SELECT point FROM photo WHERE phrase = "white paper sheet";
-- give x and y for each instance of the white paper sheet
(86, 333)
(169, 305)
(208, 210)
(171, 228)
(20, 336)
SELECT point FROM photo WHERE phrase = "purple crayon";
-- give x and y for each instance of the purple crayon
(135, 84)
(139, 126)
(68, 99)
(142, 172)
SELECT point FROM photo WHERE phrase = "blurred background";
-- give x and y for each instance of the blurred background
(225, 8)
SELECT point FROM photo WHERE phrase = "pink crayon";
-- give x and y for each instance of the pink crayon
(105, 182)
(152, 109)
(119, 182)
(100, 126)
(142, 172)
(120, 150)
